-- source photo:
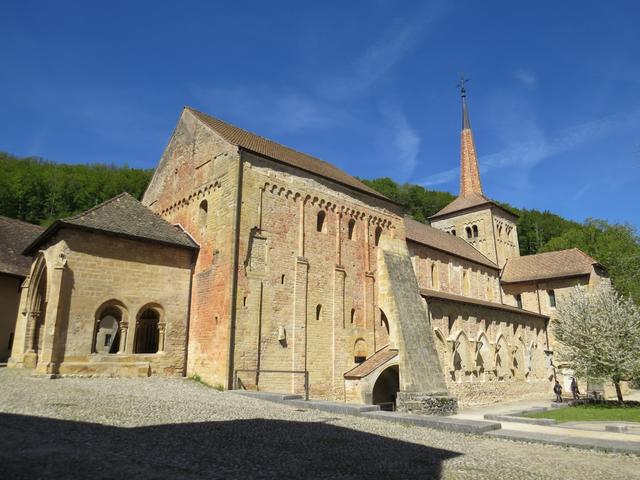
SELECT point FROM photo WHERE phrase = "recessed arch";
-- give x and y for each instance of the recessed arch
(360, 350)
(386, 388)
(148, 324)
(203, 211)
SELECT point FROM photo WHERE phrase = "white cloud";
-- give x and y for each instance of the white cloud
(536, 147)
(390, 47)
(404, 141)
(276, 111)
(527, 77)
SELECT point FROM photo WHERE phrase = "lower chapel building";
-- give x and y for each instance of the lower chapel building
(247, 261)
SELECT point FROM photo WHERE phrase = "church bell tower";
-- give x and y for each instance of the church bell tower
(487, 226)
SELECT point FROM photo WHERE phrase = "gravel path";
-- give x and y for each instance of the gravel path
(160, 428)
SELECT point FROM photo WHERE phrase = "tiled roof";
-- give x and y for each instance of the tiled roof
(376, 360)
(541, 266)
(466, 202)
(424, 234)
(475, 301)
(263, 146)
(124, 216)
(15, 235)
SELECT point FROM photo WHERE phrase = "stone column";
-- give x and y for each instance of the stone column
(124, 328)
(162, 328)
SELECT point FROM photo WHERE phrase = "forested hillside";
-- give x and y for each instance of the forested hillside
(38, 191)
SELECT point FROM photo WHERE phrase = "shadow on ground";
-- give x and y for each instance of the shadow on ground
(35, 447)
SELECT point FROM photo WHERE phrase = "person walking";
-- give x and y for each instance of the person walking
(574, 389)
(557, 389)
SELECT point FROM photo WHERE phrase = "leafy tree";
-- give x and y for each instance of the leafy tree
(599, 334)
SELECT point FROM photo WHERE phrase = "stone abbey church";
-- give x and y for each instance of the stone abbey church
(253, 265)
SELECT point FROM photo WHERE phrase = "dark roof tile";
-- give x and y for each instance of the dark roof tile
(432, 237)
(125, 216)
(263, 146)
(542, 266)
(15, 235)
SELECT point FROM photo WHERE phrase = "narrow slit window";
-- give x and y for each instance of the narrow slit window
(320, 221)
(352, 227)
(318, 312)
(377, 236)
(519, 300)
(202, 214)
(552, 298)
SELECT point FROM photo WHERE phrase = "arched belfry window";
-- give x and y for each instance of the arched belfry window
(107, 338)
(475, 231)
(453, 232)
(202, 214)
(377, 236)
(147, 332)
(352, 227)
(320, 226)
(468, 231)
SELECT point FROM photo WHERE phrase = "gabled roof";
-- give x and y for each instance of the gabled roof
(432, 237)
(467, 202)
(122, 216)
(376, 360)
(426, 293)
(543, 266)
(15, 235)
(268, 148)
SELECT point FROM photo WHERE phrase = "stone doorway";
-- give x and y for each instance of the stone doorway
(386, 388)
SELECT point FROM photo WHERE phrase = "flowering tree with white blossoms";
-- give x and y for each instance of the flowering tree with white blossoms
(599, 334)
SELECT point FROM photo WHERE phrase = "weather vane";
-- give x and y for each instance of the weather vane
(461, 85)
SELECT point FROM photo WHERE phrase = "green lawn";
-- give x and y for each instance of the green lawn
(585, 413)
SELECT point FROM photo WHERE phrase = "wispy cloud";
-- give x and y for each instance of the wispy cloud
(526, 77)
(404, 141)
(537, 147)
(400, 37)
(276, 110)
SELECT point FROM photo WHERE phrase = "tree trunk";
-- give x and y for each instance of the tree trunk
(618, 391)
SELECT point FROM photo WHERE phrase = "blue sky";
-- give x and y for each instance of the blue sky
(554, 90)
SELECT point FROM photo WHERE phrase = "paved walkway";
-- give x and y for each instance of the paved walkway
(580, 433)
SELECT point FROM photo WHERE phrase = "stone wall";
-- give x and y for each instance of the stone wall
(195, 186)
(490, 354)
(437, 270)
(9, 301)
(307, 296)
(85, 273)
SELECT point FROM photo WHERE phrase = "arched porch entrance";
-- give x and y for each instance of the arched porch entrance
(386, 388)
(36, 312)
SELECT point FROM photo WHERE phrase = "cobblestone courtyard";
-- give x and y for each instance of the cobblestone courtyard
(160, 428)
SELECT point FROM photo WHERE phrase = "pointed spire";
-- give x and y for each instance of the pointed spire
(469, 173)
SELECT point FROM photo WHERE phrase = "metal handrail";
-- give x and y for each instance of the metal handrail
(258, 371)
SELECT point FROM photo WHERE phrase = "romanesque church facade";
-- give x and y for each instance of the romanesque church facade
(253, 265)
